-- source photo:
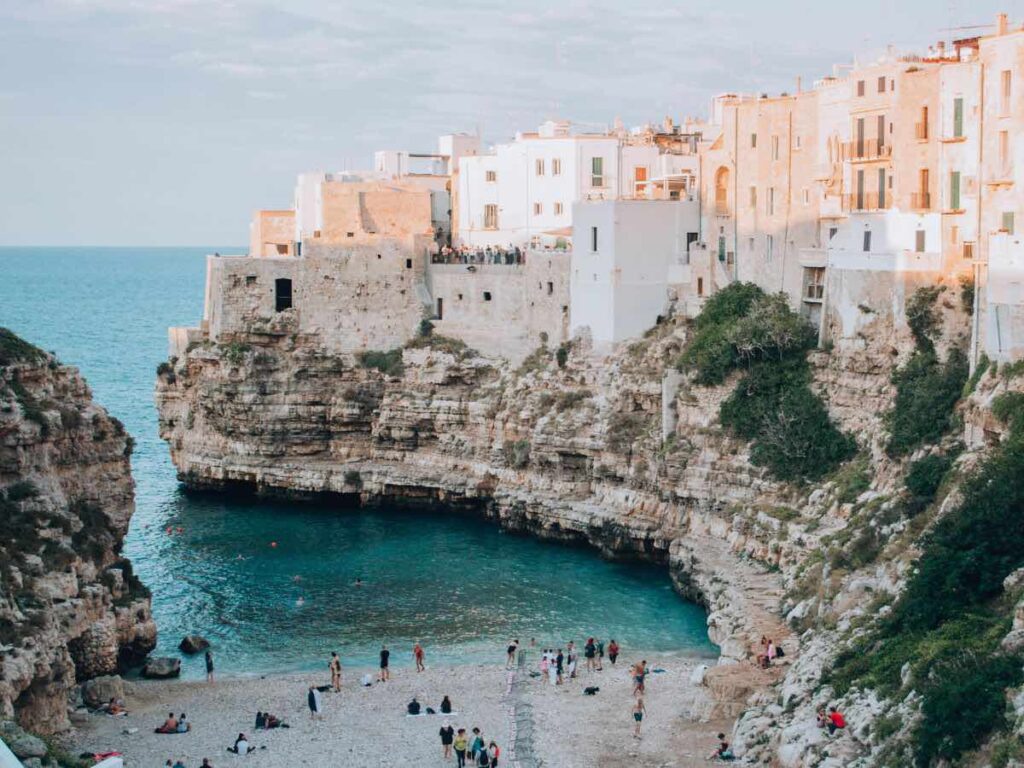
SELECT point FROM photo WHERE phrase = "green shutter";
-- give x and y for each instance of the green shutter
(954, 190)
(958, 118)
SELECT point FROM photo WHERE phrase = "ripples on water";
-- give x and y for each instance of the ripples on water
(456, 583)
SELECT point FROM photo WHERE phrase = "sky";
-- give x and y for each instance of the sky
(167, 122)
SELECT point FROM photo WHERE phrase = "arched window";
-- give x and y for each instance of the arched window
(282, 294)
(722, 190)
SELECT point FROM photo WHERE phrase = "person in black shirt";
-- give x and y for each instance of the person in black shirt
(385, 655)
(446, 706)
(447, 737)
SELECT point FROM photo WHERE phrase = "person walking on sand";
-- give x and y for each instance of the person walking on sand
(313, 701)
(589, 652)
(461, 743)
(495, 753)
(209, 666)
(385, 656)
(600, 655)
(639, 671)
(417, 654)
(613, 651)
(510, 657)
(447, 737)
(559, 667)
(639, 710)
(335, 667)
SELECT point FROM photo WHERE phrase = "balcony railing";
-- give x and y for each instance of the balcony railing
(866, 201)
(921, 131)
(866, 149)
(921, 201)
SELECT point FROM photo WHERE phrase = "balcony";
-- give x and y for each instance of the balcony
(866, 149)
(920, 201)
(921, 131)
(866, 201)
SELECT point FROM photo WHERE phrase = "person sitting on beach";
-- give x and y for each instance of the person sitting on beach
(206, 763)
(722, 751)
(269, 721)
(170, 725)
(115, 707)
(261, 721)
(242, 746)
(762, 655)
(446, 706)
(176, 764)
(183, 725)
(413, 707)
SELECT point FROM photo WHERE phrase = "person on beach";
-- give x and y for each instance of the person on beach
(552, 668)
(762, 654)
(177, 764)
(313, 701)
(510, 657)
(639, 671)
(335, 667)
(559, 666)
(589, 652)
(170, 725)
(209, 666)
(115, 707)
(836, 721)
(483, 759)
(722, 751)
(183, 725)
(447, 737)
(206, 763)
(413, 707)
(385, 656)
(570, 666)
(495, 754)
(417, 654)
(242, 746)
(770, 652)
(639, 710)
(461, 743)
(613, 651)
(446, 706)
(600, 655)
(478, 743)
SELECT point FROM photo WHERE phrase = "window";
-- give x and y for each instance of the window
(921, 129)
(1005, 91)
(769, 247)
(832, 232)
(491, 216)
(558, 209)
(797, 142)
(867, 240)
(282, 294)
(954, 190)
(551, 288)
(1004, 152)
(969, 250)
(807, 196)
(250, 279)
(958, 117)
(1008, 222)
(540, 166)
(491, 176)
(753, 141)
(750, 244)
(881, 84)
(487, 295)
(408, 263)
(919, 241)
(881, 187)
(538, 209)
(556, 166)
(593, 239)
(881, 132)
(775, 147)
(597, 171)
(860, 87)
(753, 196)
(700, 286)
(440, 308)
(639, 178)
(770, 202)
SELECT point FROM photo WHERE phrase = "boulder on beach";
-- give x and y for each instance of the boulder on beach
(161, 668)
(100, 690)
(193, 644)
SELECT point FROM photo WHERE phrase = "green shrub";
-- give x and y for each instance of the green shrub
(535, 361)
(1012, 370)
(926, 393)
(562, 354)
(164, 368)
(21, 490)
(853, 479)
(1009, 408)
(922, 316)
(566, 401)
(517, 454)
(925, 476)
(771, 330)
(353, 478)
(14, 349)
(623, 430)
(389, 363)
(710, 353)
(967, 293)
(979, 371)
(426, 327)
(455, 347)
(235, 352)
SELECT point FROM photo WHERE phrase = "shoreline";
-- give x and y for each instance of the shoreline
(368, 725)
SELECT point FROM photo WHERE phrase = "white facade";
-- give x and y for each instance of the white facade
(623, 251)
(525, 190)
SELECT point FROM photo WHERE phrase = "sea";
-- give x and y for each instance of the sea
(273, 584)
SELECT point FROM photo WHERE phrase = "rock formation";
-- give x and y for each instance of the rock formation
(616, 451)
(70, 607)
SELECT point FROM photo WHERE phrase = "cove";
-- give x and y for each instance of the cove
(455, 582)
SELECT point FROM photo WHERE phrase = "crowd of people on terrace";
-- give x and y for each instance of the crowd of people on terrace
(464, 254)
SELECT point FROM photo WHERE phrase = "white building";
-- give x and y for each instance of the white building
(524, 191)
(623, 251)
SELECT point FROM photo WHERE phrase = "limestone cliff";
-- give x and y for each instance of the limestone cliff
(617, 451)
(70, 606)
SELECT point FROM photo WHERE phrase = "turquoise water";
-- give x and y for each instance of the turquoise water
(456, 583)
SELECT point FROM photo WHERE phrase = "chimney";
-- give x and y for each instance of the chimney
(799, 83)
(1001, 24)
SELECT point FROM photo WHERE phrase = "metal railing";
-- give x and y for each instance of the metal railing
(921, 201)
(866, 149)
(866, 201)
(921, 131)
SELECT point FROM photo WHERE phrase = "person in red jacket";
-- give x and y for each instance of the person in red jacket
(836, 721)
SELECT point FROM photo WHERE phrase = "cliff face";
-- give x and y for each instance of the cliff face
(619, 452)
(70, 606)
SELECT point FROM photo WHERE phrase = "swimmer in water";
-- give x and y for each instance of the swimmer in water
(296, 578)
(301, 601)
(359, 583)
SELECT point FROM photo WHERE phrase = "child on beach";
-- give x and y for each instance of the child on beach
(639, 710)
(461, 743)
